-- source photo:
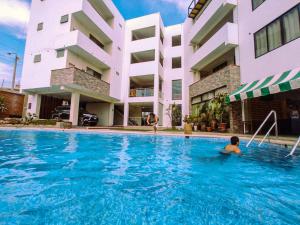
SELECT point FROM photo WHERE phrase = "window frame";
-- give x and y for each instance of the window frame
(284, 42)
(64, 19)
(173, 96)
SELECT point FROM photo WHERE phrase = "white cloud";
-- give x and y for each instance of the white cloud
(180, 4)
(14, 14)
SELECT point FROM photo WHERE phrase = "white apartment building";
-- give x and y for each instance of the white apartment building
(85, 53)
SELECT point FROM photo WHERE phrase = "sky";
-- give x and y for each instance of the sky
(14, 16)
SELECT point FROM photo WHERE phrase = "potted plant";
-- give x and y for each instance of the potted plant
(195, 122)
(174, 113)
(219, 103)
(2, 105)
(188, 128)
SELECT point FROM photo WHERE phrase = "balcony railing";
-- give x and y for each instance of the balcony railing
(141, 92)
(196, 7)
(76, 78)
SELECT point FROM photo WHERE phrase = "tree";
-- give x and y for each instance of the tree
(174, 113)
(2, 104)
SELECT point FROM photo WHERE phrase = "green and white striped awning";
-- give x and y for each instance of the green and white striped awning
(282, 82)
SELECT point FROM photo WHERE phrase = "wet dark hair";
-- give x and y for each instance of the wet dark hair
(234, 140)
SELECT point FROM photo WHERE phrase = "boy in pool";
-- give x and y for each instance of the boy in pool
(233, 147)
(153, 119)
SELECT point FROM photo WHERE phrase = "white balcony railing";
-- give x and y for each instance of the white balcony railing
(220, 43)
(141, 92)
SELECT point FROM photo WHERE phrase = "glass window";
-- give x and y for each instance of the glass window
(60, 53)
(176, 40)
(291, 25)
(261, 46)
(256, 3)
(40, 26)
(37, 58)
(176, 89)
(176, 62)
(274, 35)
(64, 19)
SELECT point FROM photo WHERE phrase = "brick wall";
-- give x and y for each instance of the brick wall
(74, 76)
(14, 102)
(229, 77)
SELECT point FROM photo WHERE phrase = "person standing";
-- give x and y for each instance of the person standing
(153, 119)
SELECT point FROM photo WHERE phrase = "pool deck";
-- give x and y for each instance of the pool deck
(281, 140)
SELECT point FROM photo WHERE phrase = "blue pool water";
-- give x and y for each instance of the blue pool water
(80, 178)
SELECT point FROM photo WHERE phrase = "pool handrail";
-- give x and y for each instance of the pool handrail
(275, 124)
(294, 147)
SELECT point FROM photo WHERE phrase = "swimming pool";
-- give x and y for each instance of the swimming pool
(88, 178)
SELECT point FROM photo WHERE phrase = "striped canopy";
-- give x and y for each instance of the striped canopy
(282, 82)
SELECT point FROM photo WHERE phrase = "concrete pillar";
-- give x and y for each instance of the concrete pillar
(74, 108)
(126, 114)
(35, 102)
(111, 115)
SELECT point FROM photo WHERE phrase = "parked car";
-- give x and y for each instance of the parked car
(85, 118)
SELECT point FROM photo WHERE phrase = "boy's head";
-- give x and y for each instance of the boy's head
(235, 140)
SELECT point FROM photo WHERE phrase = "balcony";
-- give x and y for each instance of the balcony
(214, 12)
(196, 7)
(143, 45)
(80, 44)
(223, 41)
(78, 79)
(141, 92)
(88, 17)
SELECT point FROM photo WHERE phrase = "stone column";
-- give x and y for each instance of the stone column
(74, 108)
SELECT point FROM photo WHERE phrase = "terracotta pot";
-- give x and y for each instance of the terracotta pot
(188, 128)
(209, 129)
(222, 127)
(214, 124)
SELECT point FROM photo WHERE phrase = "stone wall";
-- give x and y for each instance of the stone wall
(14, 102)
(74, 76)
(229, 76)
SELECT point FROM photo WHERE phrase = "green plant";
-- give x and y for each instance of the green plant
(188, 119)
(2, 104)
(217, 107)
(174, 113)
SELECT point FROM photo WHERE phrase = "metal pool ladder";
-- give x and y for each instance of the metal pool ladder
(275, 124)
(294, 148)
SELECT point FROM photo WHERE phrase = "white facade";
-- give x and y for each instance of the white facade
(136, 56)
(279, 60)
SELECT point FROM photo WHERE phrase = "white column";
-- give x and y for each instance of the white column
(74, 109)
(126, 114)
(35, 102)
(111, 115)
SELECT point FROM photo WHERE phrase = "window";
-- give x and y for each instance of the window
(40, 26)
(60, 53)
(256, 3)
(176, 62)
(274, 35)
(281, 31)
(176, 40)
(29, 105)
(37, 58)
(291, 24)
(64, 19)
(94, 73)
(176, 89)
